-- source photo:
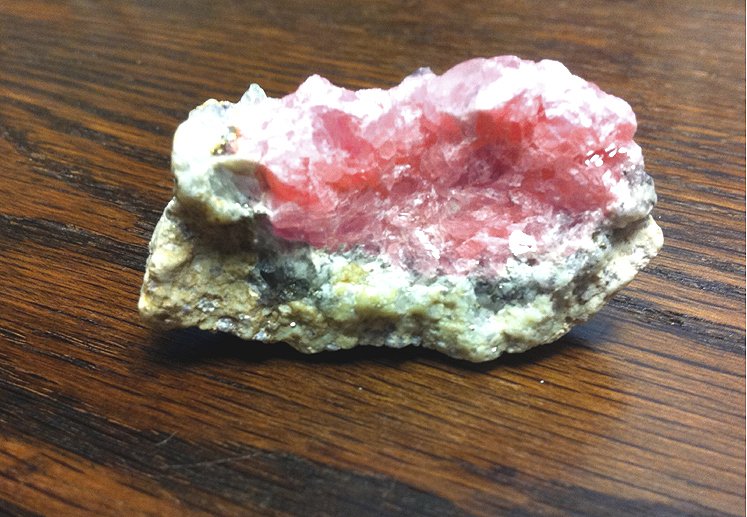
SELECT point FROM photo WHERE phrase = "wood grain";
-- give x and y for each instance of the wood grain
(639, 412)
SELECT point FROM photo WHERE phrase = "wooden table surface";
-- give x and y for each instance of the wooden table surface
(640, 412)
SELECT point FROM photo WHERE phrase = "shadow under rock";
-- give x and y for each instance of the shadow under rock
(194, 346)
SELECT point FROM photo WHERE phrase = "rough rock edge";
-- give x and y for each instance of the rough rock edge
(240, 278)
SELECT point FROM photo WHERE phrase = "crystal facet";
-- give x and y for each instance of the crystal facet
(357, 216)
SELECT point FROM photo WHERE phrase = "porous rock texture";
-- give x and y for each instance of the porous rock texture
(483, 211)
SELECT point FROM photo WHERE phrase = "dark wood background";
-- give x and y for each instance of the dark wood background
(640, 412)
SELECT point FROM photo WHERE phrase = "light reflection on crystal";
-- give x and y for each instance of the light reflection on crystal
(440, 171)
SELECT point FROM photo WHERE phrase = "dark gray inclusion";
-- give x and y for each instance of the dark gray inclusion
(280, 279)
(494, 295)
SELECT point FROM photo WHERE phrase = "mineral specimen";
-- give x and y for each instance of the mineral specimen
(482, 211)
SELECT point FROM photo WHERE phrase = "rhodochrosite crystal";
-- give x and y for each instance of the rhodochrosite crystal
(484, 210)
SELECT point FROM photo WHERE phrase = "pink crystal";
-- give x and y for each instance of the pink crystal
(439, 172)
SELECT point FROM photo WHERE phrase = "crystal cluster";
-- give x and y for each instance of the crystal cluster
(484, 210)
